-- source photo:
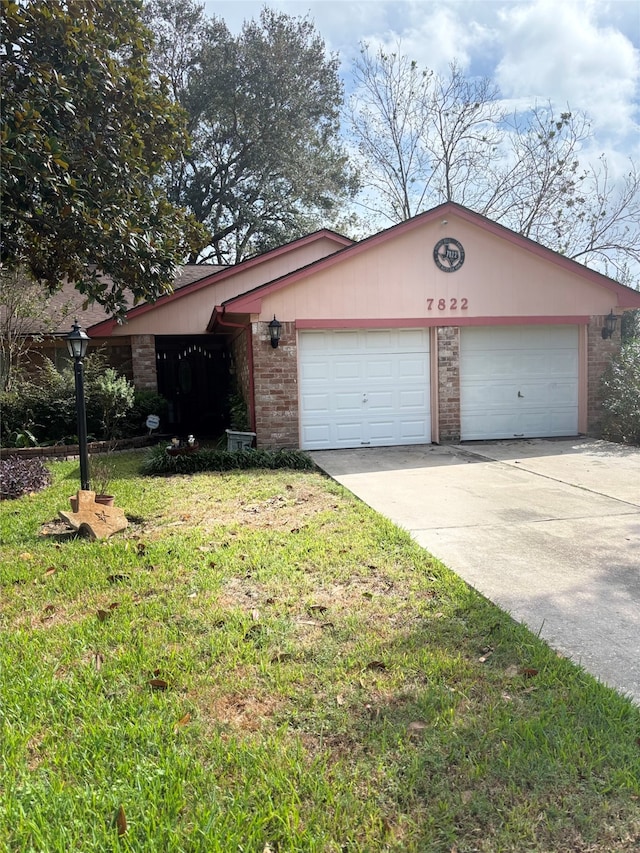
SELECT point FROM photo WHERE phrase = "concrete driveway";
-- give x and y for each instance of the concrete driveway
(547, 529)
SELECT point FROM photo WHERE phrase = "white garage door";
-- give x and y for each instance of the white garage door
(364, 387)
(518, 381)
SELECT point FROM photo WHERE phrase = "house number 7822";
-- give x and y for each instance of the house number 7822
(441, 304)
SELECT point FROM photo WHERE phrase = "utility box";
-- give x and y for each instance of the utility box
(237, 440)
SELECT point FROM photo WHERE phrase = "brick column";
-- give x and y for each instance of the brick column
(449, 384)
(599, 354)
(275, 377)
(143, 356)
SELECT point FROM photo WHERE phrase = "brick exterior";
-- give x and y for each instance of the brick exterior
(275, 379)
(599, 354)
(449, 383)
(143, 357)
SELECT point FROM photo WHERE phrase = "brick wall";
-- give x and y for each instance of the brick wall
(449, 383)
(143, 357)
(275, 379)
(599, 354)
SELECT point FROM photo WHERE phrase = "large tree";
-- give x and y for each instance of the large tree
(265, 163)
(86, 131)
(425, 138)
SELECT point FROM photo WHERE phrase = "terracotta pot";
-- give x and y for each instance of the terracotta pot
(105, 500)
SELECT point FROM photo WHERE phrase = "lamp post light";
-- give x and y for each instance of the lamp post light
(77, 343)
(609, 327)
(274, 332)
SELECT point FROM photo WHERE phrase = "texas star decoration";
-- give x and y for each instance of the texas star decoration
(448, 254)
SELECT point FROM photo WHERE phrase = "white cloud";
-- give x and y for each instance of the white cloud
(560, 51)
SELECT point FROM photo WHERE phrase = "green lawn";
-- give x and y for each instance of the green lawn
(261, 663)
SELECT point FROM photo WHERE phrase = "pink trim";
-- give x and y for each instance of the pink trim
(106, 326)
(428, 322)
(434, 386)
(252, 383)
(583, 379)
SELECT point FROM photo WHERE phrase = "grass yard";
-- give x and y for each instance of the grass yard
(261, 663)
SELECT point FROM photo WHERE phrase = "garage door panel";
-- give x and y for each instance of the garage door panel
(343, 403)
(347, 370)
(412, 399)
(379, 369)
(518, 381)
(381, 400)
(374, 386)
(315, 403)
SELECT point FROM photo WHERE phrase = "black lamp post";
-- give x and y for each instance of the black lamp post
(77, 342)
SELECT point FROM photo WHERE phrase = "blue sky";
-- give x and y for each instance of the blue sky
(580, 53)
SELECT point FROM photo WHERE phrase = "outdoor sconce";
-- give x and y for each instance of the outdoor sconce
(609, 327)
(77, 343)
(274, 332)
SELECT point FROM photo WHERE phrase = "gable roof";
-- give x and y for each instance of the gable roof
(220, 274)
(250, 302)
(68, 304)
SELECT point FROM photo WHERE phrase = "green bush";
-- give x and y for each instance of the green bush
(113, 394)
(621, 404)
(158, 461)
(44, 404)
(145, 403)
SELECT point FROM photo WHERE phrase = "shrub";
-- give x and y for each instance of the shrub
(22, 476)
(114, 396)
(145, 403)
(158, 461)
(621, 403)
(44, 403)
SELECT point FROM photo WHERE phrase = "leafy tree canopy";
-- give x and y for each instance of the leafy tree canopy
(424, 138)
(265, 163)
(86, 131)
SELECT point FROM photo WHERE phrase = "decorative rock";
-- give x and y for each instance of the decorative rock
(92, 519)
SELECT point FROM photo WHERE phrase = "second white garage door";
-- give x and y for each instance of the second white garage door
(364, 388)
(518, 381)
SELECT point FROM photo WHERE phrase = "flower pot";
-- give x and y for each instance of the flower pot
(183, 449)
(105, 500)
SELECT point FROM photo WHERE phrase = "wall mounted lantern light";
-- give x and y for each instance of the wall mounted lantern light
(609, 327)
(77, 343)
(274, 332)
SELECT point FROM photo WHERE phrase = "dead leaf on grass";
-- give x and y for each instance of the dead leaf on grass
(102, 615)
(417, 727)
(340, 700)
(98, 660)
(255, 615)
(317, 608)
(183, 720)
(281, 657)
(528, 672)
(50, 571)
(121, 821)
(48, 610)
(158, 684)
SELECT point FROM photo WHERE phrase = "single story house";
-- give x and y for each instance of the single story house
(443, 328)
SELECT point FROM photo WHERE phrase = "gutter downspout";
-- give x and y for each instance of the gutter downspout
(246, 327)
